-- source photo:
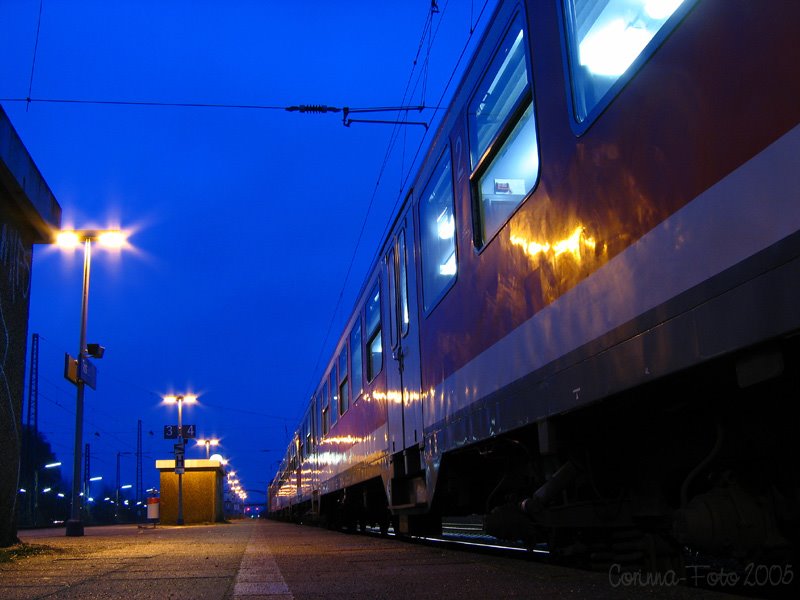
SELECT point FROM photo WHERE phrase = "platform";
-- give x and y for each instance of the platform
(266, 560)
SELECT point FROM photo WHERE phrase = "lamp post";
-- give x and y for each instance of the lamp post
(208, 442)
(52, 465)
(71, 239)
(179, 400)
(116, 506)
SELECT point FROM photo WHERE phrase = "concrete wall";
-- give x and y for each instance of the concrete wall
(28, 214)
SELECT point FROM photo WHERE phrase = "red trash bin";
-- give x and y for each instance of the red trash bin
(152, 509)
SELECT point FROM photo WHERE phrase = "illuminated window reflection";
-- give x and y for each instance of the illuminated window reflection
(437, 233)
(605, 37)
(374, 341)
(503, 146)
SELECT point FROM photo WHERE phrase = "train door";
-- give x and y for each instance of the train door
(403, 371)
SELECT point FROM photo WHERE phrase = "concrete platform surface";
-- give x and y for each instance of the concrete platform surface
(258, 560)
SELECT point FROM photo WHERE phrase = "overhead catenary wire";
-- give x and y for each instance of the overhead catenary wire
(35, 49)
(392, 141)
(427, 40)
(299, 108)
(387, 154)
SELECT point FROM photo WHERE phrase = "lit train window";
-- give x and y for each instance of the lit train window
(393, 299)
(322, 429)
(356, 368)
(334, 397)
(437, 233)
(326, 413)
(502, 132)
(344, 395)
(402, 281)
(374, 342)
(604, 40)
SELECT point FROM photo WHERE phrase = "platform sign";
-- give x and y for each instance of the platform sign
(179, 459)
(70, 369)
(88, 372)
(172, 432)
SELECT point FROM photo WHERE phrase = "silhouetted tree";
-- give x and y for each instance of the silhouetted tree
(34, 505)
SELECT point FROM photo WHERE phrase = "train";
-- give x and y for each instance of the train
(583, 325)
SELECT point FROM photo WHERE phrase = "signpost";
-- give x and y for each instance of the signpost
(179, 459)
(88, 372)
(80, 370)
(70, 369)
(172, 432)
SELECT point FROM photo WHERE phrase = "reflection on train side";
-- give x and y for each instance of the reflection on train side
(345, 439)
(575, 245)
(393, 396)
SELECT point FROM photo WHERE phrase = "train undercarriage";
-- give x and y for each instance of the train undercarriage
(700, 462)
(697, 466)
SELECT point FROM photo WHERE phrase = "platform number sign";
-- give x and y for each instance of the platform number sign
(180, 467)
(172, 432)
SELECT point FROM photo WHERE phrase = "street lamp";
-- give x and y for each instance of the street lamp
(179, 400)
(51, 465)
(208, 442)
(71, 239)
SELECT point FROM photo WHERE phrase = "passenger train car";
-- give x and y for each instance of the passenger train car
(583, 324)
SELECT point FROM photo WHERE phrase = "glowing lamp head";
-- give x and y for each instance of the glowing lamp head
(67, 239)
(218, 458)
(108, 238)
(184, 399)
(111, 238)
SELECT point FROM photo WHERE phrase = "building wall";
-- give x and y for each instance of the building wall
(28, 214)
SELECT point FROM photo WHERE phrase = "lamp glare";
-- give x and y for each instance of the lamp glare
(111, 239)
(67, 239)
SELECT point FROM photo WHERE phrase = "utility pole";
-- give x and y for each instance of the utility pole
(87, 464)
(139, 466)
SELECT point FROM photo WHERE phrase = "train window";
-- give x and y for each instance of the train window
(335, 411)
(326, 413)
(301, 439)
(314, 428)
(437, 234)
(605, 38)
(356, 367)
(374, 342)
(499, 93)
(344, 396)
(321, 428)
(402, 281)
(393, 299)
(503, 147)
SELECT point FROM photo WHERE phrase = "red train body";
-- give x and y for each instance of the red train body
(589, 302)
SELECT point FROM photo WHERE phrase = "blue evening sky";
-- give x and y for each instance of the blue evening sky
(244, 221)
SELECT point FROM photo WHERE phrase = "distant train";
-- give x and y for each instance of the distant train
(584, 324)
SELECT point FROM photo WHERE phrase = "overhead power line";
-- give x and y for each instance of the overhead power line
(300, 108)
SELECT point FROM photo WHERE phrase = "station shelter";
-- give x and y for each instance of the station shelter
(202, 491)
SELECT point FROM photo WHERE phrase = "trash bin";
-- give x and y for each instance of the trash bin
(152, 509)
